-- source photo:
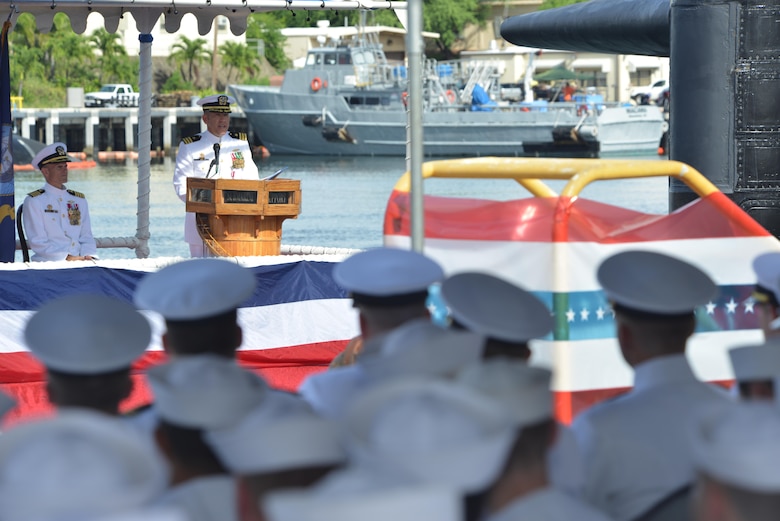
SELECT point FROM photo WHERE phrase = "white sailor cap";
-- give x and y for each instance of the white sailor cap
(216, 103)
(387, 276)
(77, 465)
(523, 391)
(767, 269)
(7, 404)
(756, 362)
(204, 391)
(435, 431)
(495, 308)
(54, 153)
(195, 289)
(650, 282)
(87, 334)
(282, 433)
(737, 445)
(417, 503)
(422, 348)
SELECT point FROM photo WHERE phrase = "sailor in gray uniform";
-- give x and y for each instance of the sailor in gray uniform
(56, 219)
(636, 448)
(213, 153)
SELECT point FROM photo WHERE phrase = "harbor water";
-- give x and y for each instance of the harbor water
(343, 199)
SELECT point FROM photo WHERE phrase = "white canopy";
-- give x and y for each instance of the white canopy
(147, 12)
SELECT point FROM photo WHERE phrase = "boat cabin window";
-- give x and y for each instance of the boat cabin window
(370, 100)
(345, 58)
(324, 58)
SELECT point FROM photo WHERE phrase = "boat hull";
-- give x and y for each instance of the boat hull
(308, 124)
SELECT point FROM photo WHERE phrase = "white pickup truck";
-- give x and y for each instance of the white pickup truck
(652, 91)
(112, 95)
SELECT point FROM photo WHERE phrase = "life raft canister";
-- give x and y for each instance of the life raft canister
(450, 96)
(316, 84)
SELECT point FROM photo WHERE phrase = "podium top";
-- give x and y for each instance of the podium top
(276, 197)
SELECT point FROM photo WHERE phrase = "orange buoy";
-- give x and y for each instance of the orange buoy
(316, 84)
(661, 151)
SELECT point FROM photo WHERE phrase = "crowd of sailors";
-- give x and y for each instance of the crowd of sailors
(414, 421)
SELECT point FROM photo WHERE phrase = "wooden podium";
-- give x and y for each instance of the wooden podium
(240, 218)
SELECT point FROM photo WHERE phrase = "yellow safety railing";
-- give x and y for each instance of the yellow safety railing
(17, 102)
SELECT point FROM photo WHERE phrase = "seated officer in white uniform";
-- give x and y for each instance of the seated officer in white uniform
(389, 287)
(88, 344)
(756, 370)
(766, 294)
(79, 464)
(199, 300)
(281, 444)
(738, 460)
(635, 448)
(193, 394)
(523, 489)
(510, 317)
(213, 153)
(56, 219)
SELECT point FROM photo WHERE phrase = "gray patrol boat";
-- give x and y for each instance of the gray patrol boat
(349, 101)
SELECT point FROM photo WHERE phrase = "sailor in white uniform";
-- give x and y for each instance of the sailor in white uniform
(56, 219)
(636, 448)
(523, 490)
(766, 294)
(510, 317)
(757, 370)
(738, 461)
(213, 153)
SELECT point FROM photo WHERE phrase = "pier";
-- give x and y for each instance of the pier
(95, 131)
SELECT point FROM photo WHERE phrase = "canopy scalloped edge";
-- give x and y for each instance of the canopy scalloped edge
(147, 12)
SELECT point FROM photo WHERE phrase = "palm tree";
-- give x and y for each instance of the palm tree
(239, 57)
(191, 52)
(114, 55)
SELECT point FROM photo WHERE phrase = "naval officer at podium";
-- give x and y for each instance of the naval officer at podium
(213, 153)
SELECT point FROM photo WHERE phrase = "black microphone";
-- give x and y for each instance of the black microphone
(216, 158)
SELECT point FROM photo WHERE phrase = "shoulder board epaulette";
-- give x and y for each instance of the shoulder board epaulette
(239, 135)
(37, 192)
(191, 139)
(75, 193)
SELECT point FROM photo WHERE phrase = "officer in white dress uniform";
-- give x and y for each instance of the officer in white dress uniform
(510, 317)
(757, 369)
(79, 464)
(766, 294)
(56, 219)
(635, 448)
(524, 490)
(281, 444)
(88, 344)
(738, 460)
(213, 153)
(389, 287)
(194, 394)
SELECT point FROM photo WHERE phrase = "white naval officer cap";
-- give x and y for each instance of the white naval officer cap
(282, 433)
(756, 362)
(767, 269)
(77, 465)
(654, 283)
(737, 446)
(387, 276)
(495, 308)
(204, 391)
(420, 347)
(87, 334)
(434, 431)
(216, 103)
(54, 153)
(411, 503)
(523, 391)
(195, 289)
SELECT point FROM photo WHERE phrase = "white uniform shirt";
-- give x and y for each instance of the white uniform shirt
(210, 498)
(194, 158)
(331, 392)
(564, 463)
(636, 448)
(56, 224)
(548, 504)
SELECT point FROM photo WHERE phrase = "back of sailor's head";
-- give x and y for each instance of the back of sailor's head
(199, 299)
(757, 368)
(388, 285)
(737, 455)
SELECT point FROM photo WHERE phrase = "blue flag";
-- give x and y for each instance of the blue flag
(7, 213)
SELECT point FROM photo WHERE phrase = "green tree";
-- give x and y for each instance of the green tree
(191, 53)
(268, 27)
(449, 18)
(550, 4)
(239, 57)
(114, 60)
